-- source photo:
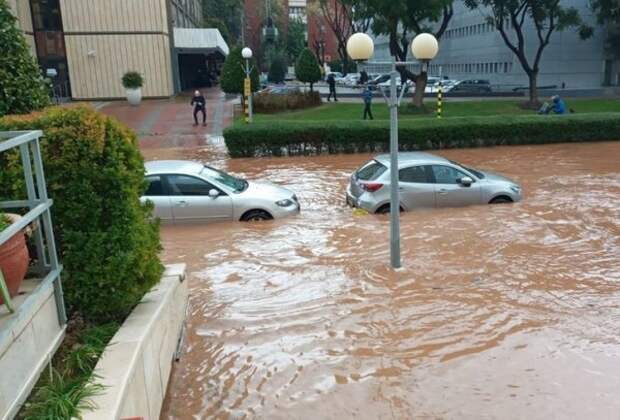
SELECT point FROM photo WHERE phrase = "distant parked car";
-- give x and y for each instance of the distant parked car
(351, 79)
(190, 192)
(472, 86)
(426, 180)
(379, 79)
(337, 75)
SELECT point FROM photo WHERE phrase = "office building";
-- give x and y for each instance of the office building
(90, 44)
(471, 48)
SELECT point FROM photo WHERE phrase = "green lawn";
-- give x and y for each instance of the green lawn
(353, 111)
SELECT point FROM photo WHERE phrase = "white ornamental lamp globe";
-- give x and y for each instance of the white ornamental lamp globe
(246, 53)
(360, 47)
(424, 47)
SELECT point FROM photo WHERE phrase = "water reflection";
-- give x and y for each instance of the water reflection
(499, 312)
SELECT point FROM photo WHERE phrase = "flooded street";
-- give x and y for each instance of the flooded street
(500, 312)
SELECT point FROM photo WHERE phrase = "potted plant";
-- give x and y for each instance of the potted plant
(13, 256)
(132, 82)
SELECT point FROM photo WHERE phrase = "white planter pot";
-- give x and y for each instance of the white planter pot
(134, 96)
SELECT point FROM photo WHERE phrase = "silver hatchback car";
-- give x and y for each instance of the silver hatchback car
(190, 192)
(426, 180)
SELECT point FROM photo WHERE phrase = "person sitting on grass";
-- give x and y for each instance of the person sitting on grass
(367, 96)
(558, 106)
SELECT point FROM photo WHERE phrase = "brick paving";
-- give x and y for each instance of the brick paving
(168, 123)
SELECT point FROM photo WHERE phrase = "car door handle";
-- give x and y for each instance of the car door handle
(182, 203)
(442, 191)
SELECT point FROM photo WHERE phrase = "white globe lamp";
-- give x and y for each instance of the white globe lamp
(424, 47)
(360, 47)
(246, 53)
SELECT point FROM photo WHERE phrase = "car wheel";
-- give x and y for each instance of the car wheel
(500, 200)
(385, 209)
(256, 216)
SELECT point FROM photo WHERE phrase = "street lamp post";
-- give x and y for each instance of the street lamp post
(246, 53)
(424, 47)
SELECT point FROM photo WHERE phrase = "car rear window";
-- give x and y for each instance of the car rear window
(370, 171)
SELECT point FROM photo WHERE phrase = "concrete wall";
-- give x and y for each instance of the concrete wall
(28, 339)
(21, 9)
(105, 39)
(136, 366)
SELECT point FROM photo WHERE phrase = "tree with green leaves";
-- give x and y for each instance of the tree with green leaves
(22, 86)
(608, 12)
(227, 13)
(401, 21)
(307, 68)
(277, 69)
(512, 18)
(295, 38)
(344, 18)
(233, 74)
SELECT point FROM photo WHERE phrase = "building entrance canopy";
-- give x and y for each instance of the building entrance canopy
(195, 40)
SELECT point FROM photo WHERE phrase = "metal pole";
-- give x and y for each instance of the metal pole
(247, 72)
(394, 187)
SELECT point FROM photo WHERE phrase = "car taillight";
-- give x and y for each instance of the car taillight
(371, 186)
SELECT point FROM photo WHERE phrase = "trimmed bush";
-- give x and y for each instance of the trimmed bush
(22, 86)
(307, 68)
(278, 138)
(132, 80)
(107, 241)
(277, 70)
(233, 73)
(266, 102)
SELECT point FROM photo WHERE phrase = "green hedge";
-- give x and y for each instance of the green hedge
(278, 138)
(107, 240)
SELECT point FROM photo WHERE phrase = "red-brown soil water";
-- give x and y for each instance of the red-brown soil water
(505, 311)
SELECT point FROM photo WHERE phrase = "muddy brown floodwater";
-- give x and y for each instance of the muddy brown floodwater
(500, 312)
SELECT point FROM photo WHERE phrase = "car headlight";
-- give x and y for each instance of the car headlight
(516, 189)
(284, 203)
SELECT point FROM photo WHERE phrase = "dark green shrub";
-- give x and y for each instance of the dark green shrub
(314, 137)
(233, 73)
(4, 222)
(307, 68)
(277, 70)
(107, 241)
(266, 102)
(22, 87)
(132, 80)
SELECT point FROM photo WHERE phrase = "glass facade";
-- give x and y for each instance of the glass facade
(50, 43)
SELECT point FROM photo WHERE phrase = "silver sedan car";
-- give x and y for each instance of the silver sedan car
(190, 192)
(426, 180)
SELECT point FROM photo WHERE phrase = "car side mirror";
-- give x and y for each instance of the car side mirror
(213, 193)
(466, 181)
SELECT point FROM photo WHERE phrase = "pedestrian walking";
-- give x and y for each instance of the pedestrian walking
(331, 81)
(199, 104)
(363, 78)
(367, 96)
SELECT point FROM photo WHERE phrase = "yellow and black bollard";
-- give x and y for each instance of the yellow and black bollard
(439, 99)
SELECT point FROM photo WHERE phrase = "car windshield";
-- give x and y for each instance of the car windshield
(237, 184)
(371, 171)
(478, 174)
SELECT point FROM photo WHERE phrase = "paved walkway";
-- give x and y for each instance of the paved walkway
(165, 126)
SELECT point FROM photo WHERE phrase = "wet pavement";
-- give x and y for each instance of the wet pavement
(500, 312)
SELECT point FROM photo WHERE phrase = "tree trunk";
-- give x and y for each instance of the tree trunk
(311, 87)
(420, 87)
(533, 90)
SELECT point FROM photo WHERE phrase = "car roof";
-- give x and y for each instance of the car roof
(173, 166)
(412, 157)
